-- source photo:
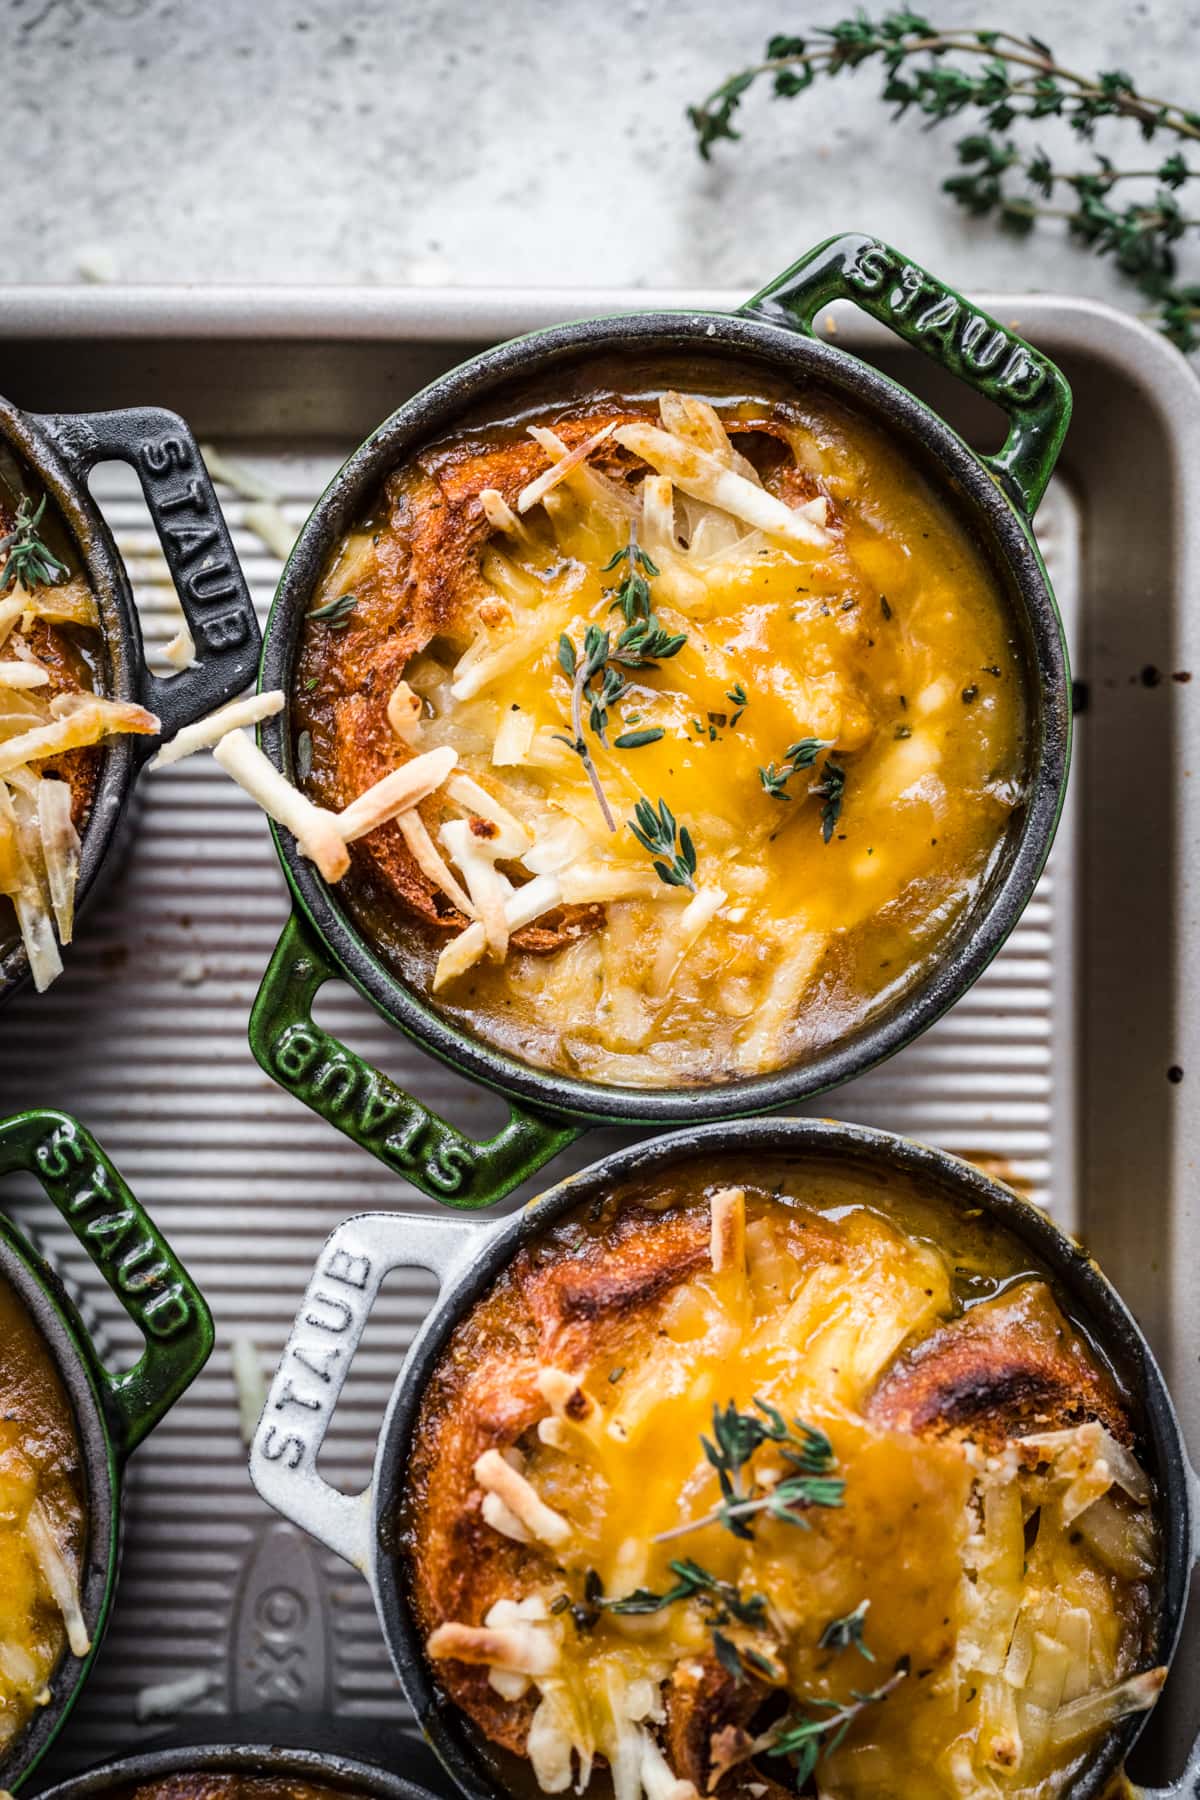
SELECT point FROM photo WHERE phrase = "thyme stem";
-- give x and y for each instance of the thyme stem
(582, 675)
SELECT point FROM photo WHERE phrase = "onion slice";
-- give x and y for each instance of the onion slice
(59, 1577)
(60, 848)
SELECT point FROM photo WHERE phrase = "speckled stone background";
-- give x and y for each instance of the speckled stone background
(478, 141)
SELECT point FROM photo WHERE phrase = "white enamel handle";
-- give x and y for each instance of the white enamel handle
(316, 1361)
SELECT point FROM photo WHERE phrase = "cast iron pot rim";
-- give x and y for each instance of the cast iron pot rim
(816, 1139)
(332, 1767)
(109, 582)
(425, 416)
(52, 1311)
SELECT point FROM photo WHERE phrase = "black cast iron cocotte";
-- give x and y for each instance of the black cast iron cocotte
(996, 495)
(112, 1412)
(467, 1258)
(57, 452)
(265, 1748)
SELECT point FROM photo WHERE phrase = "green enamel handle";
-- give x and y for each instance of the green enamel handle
(1030, 389)
(134, 1258)
(369, 1107)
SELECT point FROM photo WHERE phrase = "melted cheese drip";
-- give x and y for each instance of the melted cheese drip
(888, 644)
(997, 1634)
(36, 1447)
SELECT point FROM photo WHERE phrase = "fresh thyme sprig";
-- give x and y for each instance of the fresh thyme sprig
(633, 594)
(738, 1659)
(27, 558)
(806, 1740)
(847, 1633)
(736, 1437)
(830, 788)
(799, 756)
(581, 671)
(695, 1583)
(1012, 83)
(642, 644)
(655, 830)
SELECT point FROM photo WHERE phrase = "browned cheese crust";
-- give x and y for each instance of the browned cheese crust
(1008, 1367)
(424, 580)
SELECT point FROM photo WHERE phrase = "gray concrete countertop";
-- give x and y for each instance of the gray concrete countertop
(542, 142)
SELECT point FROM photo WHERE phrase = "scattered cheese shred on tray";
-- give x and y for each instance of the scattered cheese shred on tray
(314, 828)
(181, 651)
(209, 731)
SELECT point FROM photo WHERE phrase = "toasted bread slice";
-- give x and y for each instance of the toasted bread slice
(1007, 1367)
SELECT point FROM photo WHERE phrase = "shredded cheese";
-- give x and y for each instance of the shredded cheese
(429, 860)
(404, 713)
(316, 831)
(496, 1475)
(521, 1648)
(397, 792)
(559, 469)
(522, 907)
(180, 652)
(207, 732)
(727, 1246)
(705, 477)
(81, 720)
(23, 675)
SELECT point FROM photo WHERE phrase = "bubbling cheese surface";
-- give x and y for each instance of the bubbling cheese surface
(837, 722)
(41, 1521)
(985, 1589)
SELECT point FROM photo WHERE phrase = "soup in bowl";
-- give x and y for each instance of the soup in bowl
(738, 715)
(780, 1456)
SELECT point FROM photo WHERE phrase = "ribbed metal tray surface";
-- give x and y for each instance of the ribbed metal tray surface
(145, 1037)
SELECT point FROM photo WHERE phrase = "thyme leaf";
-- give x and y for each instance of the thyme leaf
(799, 756)
(736, 1437)
(847, 1633)
(642, 644)
(336, 613)
(28, 559)
(655, 830)
(832, 788)
(695, 1583)
(634, 740)
(806, 1739)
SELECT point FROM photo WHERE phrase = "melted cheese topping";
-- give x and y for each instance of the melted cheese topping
(41, 1521)
(865, 619)
(47, 713)
(995, 1592)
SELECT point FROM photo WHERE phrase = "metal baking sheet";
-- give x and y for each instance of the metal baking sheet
(1066, 1069)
